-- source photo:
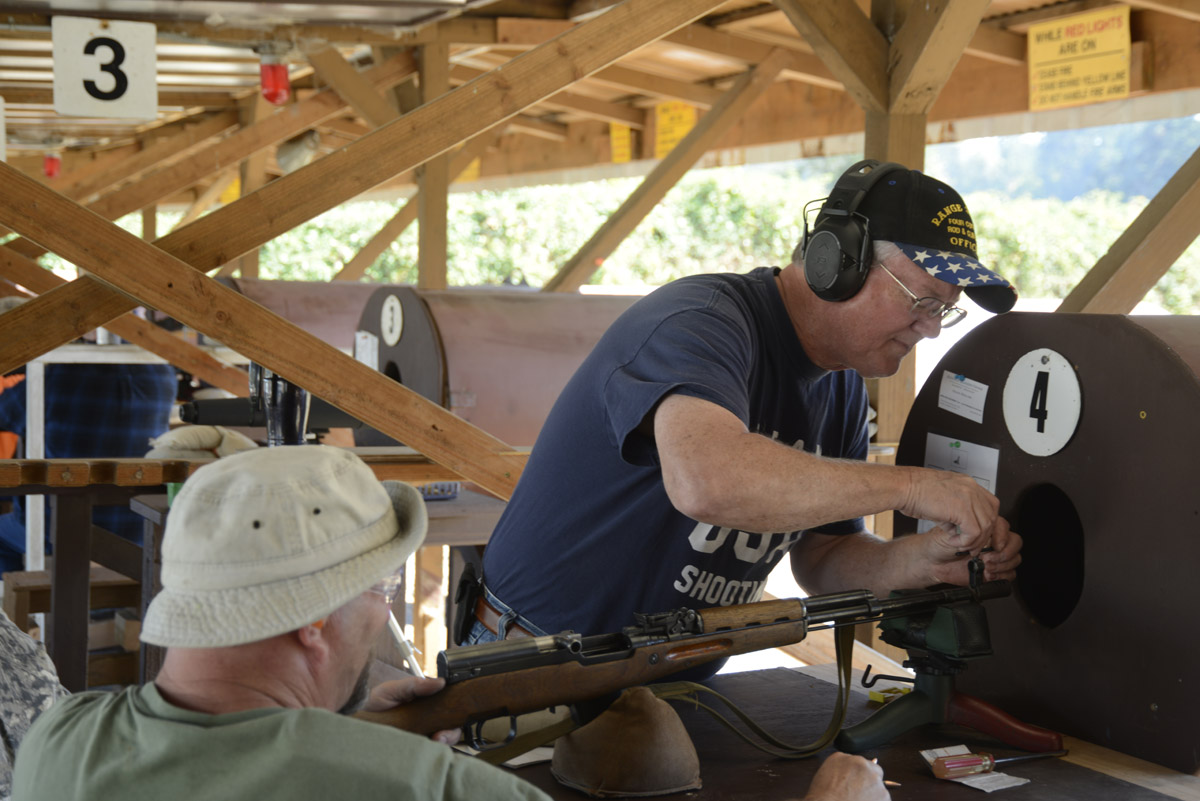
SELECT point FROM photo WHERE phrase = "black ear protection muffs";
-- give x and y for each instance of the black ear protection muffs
(838, 253)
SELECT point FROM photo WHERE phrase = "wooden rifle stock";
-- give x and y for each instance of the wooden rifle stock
(513, 677)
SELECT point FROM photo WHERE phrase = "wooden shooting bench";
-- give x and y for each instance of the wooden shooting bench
(795, 705)
(73, 585)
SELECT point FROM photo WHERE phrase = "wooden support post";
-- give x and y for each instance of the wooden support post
(254, 172)
(429, 611)
(853, 48)
(433, 180)
(715, 123)
(1144, 252)
(392, 229)
(411, 140)
(150, 223)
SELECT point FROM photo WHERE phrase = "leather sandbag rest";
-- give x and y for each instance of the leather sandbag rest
(637, 747)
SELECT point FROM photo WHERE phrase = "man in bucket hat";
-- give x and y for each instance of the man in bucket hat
(721, 423)
(279, 566)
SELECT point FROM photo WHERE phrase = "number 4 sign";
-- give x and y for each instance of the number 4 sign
(104, 69)
(1042, 402)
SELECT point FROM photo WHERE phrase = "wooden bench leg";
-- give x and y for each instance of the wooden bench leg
(67, 623)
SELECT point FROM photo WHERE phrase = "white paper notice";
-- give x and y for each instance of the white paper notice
(962, 396)
(977, 461)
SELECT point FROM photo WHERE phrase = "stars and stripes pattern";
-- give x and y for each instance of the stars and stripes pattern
(954, 268)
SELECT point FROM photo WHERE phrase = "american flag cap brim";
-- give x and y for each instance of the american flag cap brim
(987, 288)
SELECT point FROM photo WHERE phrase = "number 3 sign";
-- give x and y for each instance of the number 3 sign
(104, 69)
(1041, 402)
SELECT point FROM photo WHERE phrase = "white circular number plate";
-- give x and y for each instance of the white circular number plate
(1041, 402)
(391, 320)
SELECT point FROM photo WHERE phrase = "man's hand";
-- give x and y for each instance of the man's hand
(843, 777)
(966, 510)
(390, 694)
(947, 565)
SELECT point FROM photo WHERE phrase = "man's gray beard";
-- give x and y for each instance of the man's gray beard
(358, 696)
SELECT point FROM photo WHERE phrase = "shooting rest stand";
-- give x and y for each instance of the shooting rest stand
(939, 644)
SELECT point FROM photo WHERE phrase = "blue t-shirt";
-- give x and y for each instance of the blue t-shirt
(590, 536)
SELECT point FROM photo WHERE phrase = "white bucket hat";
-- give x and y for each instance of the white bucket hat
(266, 541)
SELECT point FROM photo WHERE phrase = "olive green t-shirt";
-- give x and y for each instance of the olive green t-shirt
(134, 745)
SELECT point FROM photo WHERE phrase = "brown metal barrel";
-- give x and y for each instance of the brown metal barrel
(498, 358)
(1097, 641)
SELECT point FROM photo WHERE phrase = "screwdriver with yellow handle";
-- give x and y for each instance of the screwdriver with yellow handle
(962, 765)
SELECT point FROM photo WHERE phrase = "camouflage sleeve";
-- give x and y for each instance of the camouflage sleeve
(28, 685)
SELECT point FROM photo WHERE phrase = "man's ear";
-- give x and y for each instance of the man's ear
(312, 636)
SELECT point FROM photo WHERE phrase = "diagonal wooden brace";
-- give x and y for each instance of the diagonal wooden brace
(429, 130)
(139, 269)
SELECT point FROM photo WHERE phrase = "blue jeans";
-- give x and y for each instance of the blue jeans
(480, 633)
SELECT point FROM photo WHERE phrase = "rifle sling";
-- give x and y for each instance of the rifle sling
(528, 741)
(689, 691)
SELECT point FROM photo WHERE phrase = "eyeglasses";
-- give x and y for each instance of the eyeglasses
(390, 587)
(947, 314)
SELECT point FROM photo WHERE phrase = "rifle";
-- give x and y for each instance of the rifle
(512, 677)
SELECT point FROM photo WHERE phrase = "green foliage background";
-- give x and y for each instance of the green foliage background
(1046, 206)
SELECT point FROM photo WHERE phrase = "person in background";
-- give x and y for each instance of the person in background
(91, 411)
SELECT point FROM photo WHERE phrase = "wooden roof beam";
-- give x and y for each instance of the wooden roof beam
(182, 354)
(1144, 252)
(848, 43)
(354, 87)
(926, 49)
(711, 127)
(569, 101)
(139, 269)
(435, 127)
(745, 51)
(391, 230)
(161, 145)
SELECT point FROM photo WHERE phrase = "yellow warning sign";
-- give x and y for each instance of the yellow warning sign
(672, 121)
(620, 139)
(471, 173)
(231, 192)
(1079, 59)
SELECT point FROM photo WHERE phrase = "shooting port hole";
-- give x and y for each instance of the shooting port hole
(1050, 577)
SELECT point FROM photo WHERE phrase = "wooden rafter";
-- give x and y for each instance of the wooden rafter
(236, 147)
(407, 214)
(926, 49)
(570, 101)
(141, 270)
(747, 51)
(353, 86)
(682, 157)
(1144, 252)
(168, 143)
(409, 141)
(846, 41)
(183, 355)
(207, 198)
